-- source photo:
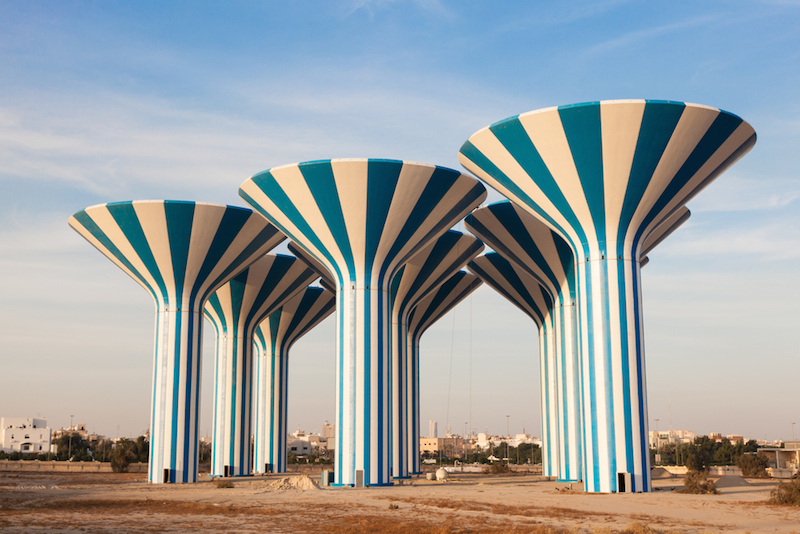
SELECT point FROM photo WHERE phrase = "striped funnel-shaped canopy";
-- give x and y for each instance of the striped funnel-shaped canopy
(527, 294)
(604, 174)
(427, 270)
(523, 239)
(235, 310)
(516, 285)
(362, 220)
(180, 252)
(438, 302)
(665, 229)
(430, 309)
(274, 337)
(314, 265)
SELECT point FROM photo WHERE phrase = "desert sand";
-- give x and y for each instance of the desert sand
(100, 502)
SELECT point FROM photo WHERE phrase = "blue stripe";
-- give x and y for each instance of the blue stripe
(625, 358)
(720, 130)
(321, 184)
(584, 135)
(506, 215)
(382, 179)
(644, 442)
(179, 217)
(125, 217)
(514, 138)
(267, 183)
(658, 124)
(592, 400)
(608, 378)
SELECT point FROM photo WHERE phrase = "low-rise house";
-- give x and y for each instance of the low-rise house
(25, 435)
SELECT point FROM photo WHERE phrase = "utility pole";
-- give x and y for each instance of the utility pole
(466, 456)
(508, 438)
(69, 456)
(793, 431)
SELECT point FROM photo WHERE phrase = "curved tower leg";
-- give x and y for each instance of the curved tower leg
(423, 273)
(274, 337)
(529, 295)
(429, 310)
(235, 310)
(522, 239)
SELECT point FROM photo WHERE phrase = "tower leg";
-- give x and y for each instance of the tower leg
(570, 428)
(271, 415)
(613, 390)
(414, 466)
(232, 406)
(400, 401)
(549, 396)
(176, 396)
(362, 387)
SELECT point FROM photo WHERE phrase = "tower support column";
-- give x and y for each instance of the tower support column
(614, 393)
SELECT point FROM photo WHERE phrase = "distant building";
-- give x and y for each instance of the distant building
(450, 446)
(25, 435)
(302, 444)
(787, 457)
(662, 437)
(328, 430)
(73, 429)
(433, 429)
(299, 446)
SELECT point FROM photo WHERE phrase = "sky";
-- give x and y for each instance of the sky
(105, 101)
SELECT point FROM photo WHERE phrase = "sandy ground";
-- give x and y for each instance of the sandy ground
(98, 502)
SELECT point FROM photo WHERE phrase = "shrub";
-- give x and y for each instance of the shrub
(122, 455)
(499, 468)
(697, 482)
(786, 493)
(753, 465)
(225, 484)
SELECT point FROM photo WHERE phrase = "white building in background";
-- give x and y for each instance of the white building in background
(662, 437)
(484, 440)
(328, 430)
(25, 435)
(433, 429)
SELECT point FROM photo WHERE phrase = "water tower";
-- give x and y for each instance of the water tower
(603, 175)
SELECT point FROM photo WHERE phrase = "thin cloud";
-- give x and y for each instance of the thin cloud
(565, 15)
(374, 6)
(632, 38)
(736, 193)
(766, 242)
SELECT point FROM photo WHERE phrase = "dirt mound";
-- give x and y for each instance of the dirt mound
(302, 482)
(730, 481)
(660, 472)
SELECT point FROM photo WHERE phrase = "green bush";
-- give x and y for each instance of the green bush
(786, 493)
(122, 455)
(753, 465)
(697, 482)
(499, 468)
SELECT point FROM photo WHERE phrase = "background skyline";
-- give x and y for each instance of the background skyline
(107, 101)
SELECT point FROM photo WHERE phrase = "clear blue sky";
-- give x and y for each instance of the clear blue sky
(107, 101)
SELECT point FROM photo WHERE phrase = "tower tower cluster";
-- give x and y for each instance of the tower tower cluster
(591, 189)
